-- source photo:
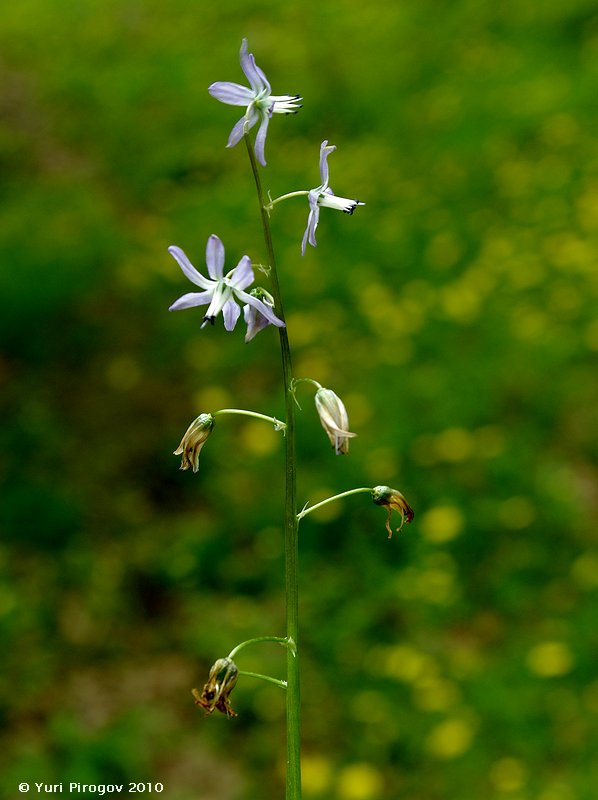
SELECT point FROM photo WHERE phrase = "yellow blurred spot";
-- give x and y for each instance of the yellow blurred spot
(359, 782)
(358, 408)
(454, 444)
(450, 738)
(315, 367)
(585, 570)
(435, 694)
(529, 324)
(8, 601)
(306, 327)
(328, 512)
(550, 659)
(564, 300)
(460, 302)
(123, 373)
(260, 438)
(508, 774)
(316, 774)
(407, 664)
(381, 461)
(437, 586)
(587, 209)
(441, 524)
(558, 790)
(444, 250)
(423, 450)
(560, 130)
(370, 706)
(568, 251)
(517, 512)
(211, 398)
(489, 441)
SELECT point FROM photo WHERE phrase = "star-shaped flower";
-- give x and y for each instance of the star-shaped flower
(260, 103)
(220, 290)
(323, 197)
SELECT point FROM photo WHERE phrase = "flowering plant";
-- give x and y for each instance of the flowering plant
(222, 293)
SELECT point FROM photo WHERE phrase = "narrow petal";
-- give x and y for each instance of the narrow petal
(255, 322)
(324, 153)
(312, 221)
(188, 268)
(329, 200)
(307, 232)
(253, 73)
(215, 257)
(285, 103)
(261, 307)
(230, 312)
(242, 275)
(247, 120)
(191, 300)
(233, 94)
(260, 140)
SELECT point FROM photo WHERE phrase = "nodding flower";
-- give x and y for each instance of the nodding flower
(392, 500)
(194, 439)
(335, 420)
(215, 694)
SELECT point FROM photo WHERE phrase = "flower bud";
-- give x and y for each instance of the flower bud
(194, 439)
(334, 418)
(221, 681)
(392, 499)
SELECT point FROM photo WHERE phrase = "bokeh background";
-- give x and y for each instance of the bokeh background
(455, 313)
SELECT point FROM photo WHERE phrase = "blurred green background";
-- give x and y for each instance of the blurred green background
(455, 313)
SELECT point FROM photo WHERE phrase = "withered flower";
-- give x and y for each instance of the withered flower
(221, 681)
(194, 439)
(334, 418)
(392, 499)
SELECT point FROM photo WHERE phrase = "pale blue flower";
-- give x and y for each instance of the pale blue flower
(323, 197)
(260, 103)
(254, 318)
(220, 290)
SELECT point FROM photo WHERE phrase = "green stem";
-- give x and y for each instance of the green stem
(257, 640)
(278, 425)
(307, 510)
(293, 776)
(282, 197)
(275, 681)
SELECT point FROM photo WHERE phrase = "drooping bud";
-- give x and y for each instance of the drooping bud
(392, 500)
(221, 681)
(194, 439)
(335, 420)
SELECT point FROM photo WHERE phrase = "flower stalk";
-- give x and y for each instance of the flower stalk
(291, 550)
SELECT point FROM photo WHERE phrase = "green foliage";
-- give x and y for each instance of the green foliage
(455, 314)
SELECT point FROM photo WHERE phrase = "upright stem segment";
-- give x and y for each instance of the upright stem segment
(293, 790)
